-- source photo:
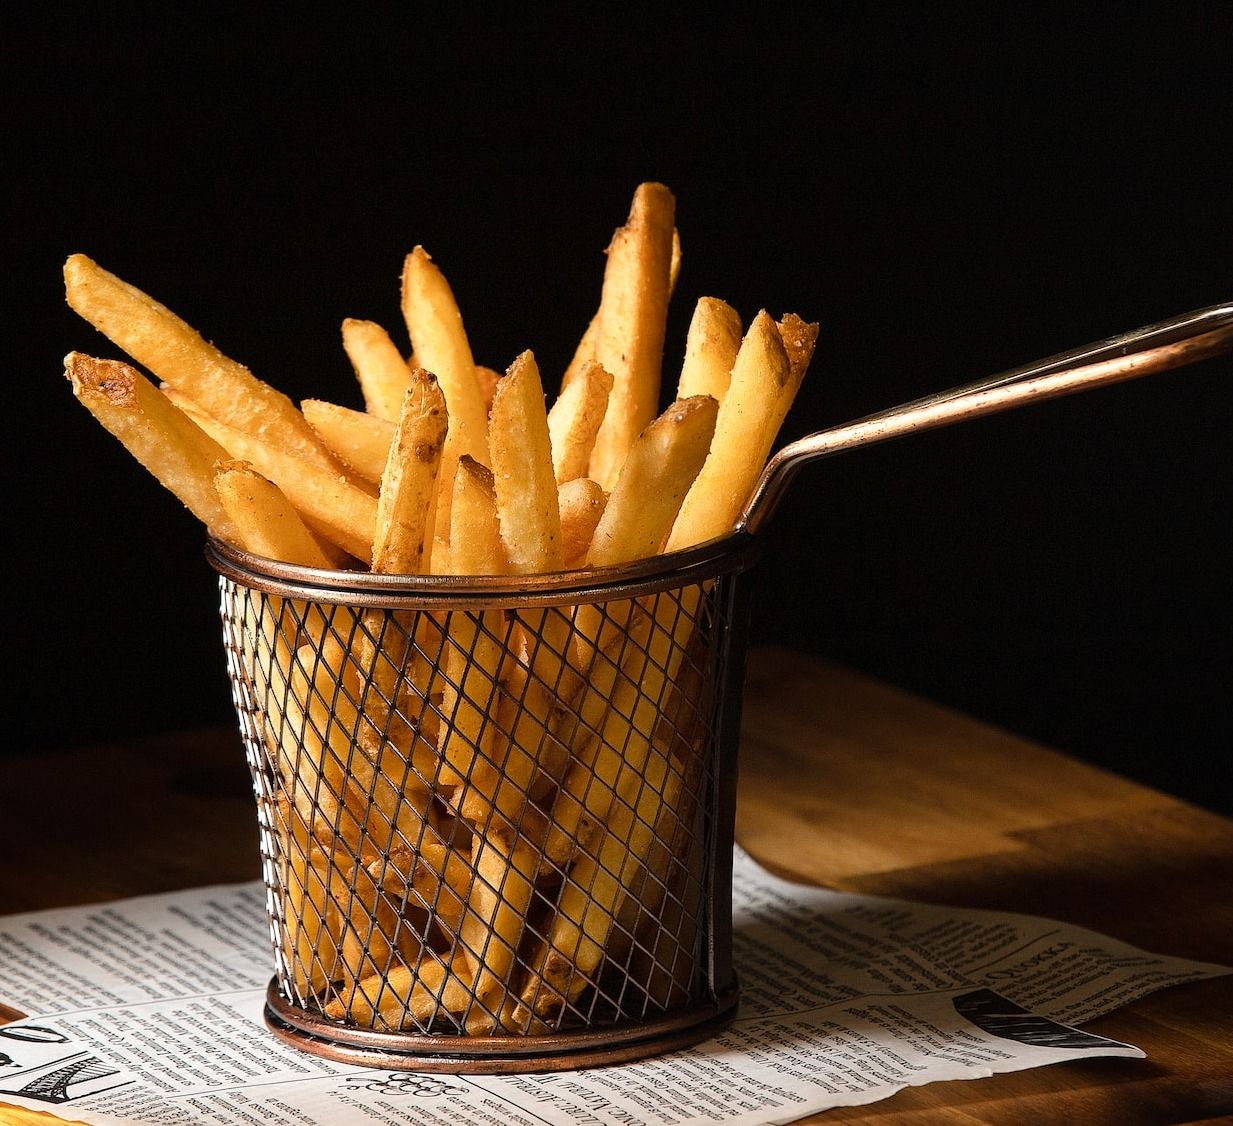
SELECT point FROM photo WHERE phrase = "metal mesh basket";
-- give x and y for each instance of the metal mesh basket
(497, 813)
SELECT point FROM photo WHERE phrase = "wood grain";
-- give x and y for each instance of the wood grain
(845, 782)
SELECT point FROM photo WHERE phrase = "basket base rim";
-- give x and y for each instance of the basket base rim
(496, 1055)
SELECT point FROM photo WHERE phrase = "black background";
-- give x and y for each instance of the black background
(948, 190)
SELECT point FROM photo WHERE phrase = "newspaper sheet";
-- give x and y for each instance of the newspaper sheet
(148, 1010)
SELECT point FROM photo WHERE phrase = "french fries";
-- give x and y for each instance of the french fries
(481, 813)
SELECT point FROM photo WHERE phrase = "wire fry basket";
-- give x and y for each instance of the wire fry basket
(496, 814)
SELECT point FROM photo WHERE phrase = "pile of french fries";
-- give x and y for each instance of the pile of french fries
(465, 802)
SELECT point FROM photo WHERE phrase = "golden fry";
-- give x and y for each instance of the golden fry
(405, 506)
(710, 349)
(575, 419)
(405, 997)
(382, 373)
(632, 318)
(654, 480)
(265, 521)
(359, 440)
(474, 648)
(526, 486)
(581, 502)
(491, 931)
(441, 347)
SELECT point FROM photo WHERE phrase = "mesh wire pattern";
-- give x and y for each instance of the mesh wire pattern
(493, 817)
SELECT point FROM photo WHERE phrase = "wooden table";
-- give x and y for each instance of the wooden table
(845, 782)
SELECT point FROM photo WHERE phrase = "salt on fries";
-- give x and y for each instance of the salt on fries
(416, 854)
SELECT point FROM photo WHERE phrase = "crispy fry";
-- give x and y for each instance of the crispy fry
(632, 319)
(158, 340)
(574, 421)
(710, 349)
(475, 646)
(405, 506)
(265, 521)
(491, 759)
(581, 502)
(159, 435)
(492, 928)
(441, 347)
(433, 878)
(526, 490)
(638, 516)
(382, 373)
(654, 480)
(585, 351)
(528, 511)
(359, 440)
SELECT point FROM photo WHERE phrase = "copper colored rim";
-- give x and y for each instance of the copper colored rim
(495, 1055)
(728, 555)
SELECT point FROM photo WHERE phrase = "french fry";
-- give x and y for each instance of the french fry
(638, 516)
(359, 440)
(161, 342)
(491, 760)
(606, 712)
(528, 512)
(402, 535)
(160, 436)
(374, 934)
(382, 373)
(339, 791)
(585, 350)
(333, 508)
(475, 646)
(656, 476)
(441, 347)
(405, 506)
(432, 878)
(526, 489)
(710, 349)
(750, 415)
(265, 521)
(581, 503)
(491, 931)
(574, 421)
(632, 319)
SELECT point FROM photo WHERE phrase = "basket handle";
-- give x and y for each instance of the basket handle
(1173, 343)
